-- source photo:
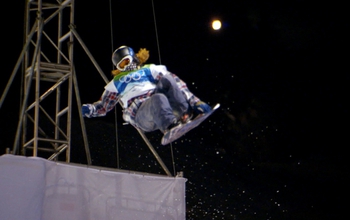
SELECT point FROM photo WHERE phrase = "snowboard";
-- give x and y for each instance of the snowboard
(178, 131)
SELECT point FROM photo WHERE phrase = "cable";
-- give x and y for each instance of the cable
(115, 109)
(155, 27)
(160, 62)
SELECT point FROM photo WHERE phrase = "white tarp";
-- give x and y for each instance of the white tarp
(33, 188)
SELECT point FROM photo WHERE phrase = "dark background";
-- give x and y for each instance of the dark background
(276, 148)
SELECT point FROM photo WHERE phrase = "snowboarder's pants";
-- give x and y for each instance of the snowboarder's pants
(163, 107)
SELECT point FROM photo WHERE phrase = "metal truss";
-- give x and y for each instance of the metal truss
(48, 79)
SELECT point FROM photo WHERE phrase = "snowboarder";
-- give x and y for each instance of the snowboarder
(152, 98)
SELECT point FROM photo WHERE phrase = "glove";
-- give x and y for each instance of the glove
(201, 107)
(86, 110)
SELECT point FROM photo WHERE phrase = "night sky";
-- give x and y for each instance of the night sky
(276, 148)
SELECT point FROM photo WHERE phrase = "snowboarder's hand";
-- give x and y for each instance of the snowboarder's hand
(86, 111)
(201, 107)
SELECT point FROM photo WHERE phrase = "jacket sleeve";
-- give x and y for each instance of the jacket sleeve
(190, 97)
(105, 104)
(160, 70)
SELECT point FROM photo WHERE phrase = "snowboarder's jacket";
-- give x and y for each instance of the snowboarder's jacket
(132, 88)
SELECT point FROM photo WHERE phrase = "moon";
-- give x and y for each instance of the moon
(216, 24)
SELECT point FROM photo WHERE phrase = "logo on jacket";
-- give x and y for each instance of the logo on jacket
(134, 76)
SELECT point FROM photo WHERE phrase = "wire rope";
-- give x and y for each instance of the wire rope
(115, 109)
(160, 62)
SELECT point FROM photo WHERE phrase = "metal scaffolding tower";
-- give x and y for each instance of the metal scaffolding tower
(48, 76)
(49, 83)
